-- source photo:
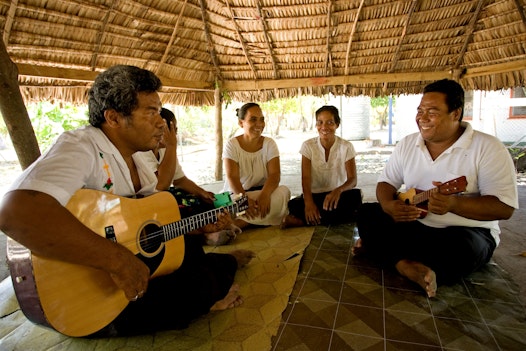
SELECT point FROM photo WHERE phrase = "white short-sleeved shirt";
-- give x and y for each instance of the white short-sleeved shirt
(482, 158)
(153, 163)
(330, 174)
(85, 158)
(252, 165)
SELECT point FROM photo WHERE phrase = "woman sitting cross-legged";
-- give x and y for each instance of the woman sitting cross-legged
(252, 166)
(328, 177)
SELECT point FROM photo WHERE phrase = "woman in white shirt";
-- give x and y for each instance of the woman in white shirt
(252, 166)
(328, 177)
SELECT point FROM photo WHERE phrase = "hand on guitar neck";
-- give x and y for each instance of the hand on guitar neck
(420, 197)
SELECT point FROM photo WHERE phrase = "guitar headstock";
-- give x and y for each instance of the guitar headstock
(453, 186)
(241, 203)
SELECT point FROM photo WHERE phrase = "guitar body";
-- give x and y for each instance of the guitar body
(419, 198)
(79, 300)
(409, 196)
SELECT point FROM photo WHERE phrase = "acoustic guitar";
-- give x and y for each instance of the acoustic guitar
(78, 300)
(420, 197)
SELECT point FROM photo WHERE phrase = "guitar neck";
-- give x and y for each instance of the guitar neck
(186, 225)
(423, 196)
(454, 186)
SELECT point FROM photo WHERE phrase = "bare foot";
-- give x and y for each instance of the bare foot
(420, 274)
(357, 248)
(222, 237)
(231, 300)
(243, 257)
(290, 221)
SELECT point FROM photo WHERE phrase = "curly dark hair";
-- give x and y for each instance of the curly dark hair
(117, 89)
(453, 91)
(332, 110)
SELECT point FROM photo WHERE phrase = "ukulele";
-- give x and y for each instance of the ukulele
(420, 197)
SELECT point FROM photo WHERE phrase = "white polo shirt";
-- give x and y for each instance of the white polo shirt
(85, 158)
(482, 158)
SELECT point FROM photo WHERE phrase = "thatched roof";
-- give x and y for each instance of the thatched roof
(261, 49)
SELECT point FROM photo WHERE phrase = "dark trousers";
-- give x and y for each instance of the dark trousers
(174, 300)
(345, 212)
(452, 252)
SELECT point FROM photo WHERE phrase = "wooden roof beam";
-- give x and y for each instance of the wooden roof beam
(10, 19)
(251, 85)
(351, 35)
(268, 39)
(172, 38)
(404, 31)
(468, 37)
(520, 8)
(78, 75)
(241, 41)
(328, 58)
(209, 42)
(374, 78)
(100, 36)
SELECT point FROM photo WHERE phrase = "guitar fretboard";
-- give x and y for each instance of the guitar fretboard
(452, 187)
(423, 196)
(186, 225)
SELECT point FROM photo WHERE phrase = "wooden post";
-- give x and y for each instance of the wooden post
(14, 112)
(219, 134)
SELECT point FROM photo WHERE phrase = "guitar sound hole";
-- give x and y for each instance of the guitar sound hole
(151, 238)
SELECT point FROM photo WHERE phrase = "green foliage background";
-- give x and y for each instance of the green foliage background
(49, 121)
(195, 124)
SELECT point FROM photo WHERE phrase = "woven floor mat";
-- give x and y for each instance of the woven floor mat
(266, 284)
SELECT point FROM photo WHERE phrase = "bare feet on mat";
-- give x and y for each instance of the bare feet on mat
(420, 274)
(289, 221)
(243, 257)
(222, 237)
(219, 238)
(231, 300)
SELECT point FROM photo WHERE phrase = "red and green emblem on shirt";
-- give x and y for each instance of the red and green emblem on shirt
(109, 183)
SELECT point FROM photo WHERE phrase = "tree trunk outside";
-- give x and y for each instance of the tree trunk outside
(14, 112)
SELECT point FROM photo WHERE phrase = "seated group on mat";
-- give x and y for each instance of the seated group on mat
(129, 150)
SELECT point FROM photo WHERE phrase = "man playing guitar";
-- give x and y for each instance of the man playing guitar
(124, 107)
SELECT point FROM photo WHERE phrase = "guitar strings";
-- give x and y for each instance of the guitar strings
(148, 240)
